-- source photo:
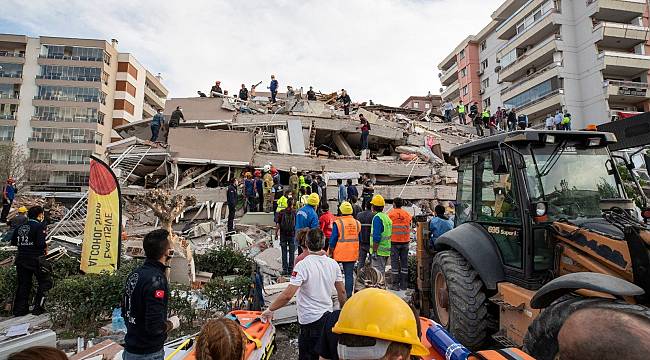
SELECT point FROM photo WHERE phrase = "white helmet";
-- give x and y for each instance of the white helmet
(267, 168)
(294, 170)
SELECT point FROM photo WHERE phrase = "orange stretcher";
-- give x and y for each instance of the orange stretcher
(261, 336)
(509, 353)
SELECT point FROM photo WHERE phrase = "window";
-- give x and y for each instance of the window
(508, 58)
(11, 70)
(68, 114)
(73, 73)
(9, 91)
(484, 64)
(74, 136)
(497, 209)
(461, 54)
(65, 93)
(485, 83)
(416, 105)
(463, 72)
(465, 90)
(533, 94)
(62, 178)
(486, 103)
(427, 106)
(7, 133)
(483, 46)
(464, 191)
(72, 52)
(59, 156)
(8, 111)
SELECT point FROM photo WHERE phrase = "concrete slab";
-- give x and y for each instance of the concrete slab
(282, 140)
(199, 109)
(202, 144)
(257, 218)
(296, 136)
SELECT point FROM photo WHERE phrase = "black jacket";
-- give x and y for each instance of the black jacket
(345, 99)
(311, 95)
(30, 239)
(232, 196)
(365, 218)
(177, 115)
(243, 94)
(144, 308)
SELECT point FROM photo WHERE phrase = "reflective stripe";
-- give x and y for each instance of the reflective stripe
(347, 245)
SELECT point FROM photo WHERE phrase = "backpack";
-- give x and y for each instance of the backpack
(288, 222)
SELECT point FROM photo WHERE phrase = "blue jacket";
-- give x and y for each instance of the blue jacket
(158, 119)
(439, 226)
(249, 186)
(274, 85)
(377, 229)
(343, 194)
(306, 218)
(11, 192)
(352, 191)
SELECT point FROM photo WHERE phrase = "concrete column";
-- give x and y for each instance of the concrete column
(28, 90)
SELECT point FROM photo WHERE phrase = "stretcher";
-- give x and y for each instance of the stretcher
(260, 335)
(439, 353)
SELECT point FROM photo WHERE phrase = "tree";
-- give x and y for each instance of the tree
(166, 206)
(15, 162)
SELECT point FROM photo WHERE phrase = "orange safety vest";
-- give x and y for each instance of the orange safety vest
(401, 225)
(347, 245)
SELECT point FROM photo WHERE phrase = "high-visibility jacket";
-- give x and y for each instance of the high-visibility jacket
(461, 109)
(401, 225)
(347, 245)
(485, 113)
(384, 242)
(566, 120)
(282, 203)
(303, 183)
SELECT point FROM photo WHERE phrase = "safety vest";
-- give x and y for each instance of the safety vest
(485, 113)
(401, 225)
(282, 203)
(303, 184)
(566, 120)
(384, 243)
(347, 245)
(461, 109)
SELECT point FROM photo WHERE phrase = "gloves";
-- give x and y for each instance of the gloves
(266, 316)
(175, 322)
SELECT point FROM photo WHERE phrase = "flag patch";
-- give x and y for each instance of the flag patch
(293, 274)
(159, 294)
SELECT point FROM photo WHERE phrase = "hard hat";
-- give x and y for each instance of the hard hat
(294, 170)
(377, 200)
(346, 208)
(258, 173)
(313, 199)
(248, 174)
(22, 210)
(267, 168)
(385, 317)
(591, 127)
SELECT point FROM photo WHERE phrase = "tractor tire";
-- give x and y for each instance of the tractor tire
(464, 311)
(541, 342)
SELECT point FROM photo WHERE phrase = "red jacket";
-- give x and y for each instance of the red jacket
(326, 221)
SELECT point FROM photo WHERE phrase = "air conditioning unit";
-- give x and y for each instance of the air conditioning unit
(481, 92)
(439, 74)
(497, 68)
(440, 90)
(480, 72)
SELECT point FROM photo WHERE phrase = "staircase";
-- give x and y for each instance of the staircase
(71, 226)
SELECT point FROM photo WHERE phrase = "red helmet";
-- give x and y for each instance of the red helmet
(258, 173)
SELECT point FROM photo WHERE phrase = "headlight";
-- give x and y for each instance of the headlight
(540, 209)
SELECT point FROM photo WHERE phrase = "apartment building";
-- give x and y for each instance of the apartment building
(423, 103)
(587, 57)
(60, 98)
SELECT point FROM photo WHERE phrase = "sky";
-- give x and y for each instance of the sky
(380, 50)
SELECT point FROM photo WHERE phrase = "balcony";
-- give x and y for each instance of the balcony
(621, 64)
(620, 11)
(548, 72)
(616, 115)
(619, 36)
(12, 57)
(449, 76)
(543, 105)
(153, 97)
(452, 91)
(537, 32)
(14, 95)
(536, 57)
(148, 110)
(68, 78)
(508, 28)
(626, 92)
(8, 116)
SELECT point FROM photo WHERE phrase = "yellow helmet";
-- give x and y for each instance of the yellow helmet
(313, 199)
(346, 208)
(386, 317)
(377, 200)
(22, 210)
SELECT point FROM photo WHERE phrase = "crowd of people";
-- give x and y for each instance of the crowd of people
(502, 120)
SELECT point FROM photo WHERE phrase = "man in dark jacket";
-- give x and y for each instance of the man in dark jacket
(273, 88)
(157, 122)
(232, 203)
(215, 90)
(512, 120)
(8, 195)
(176, 117)
(311, 95)
(352, 190)
(30, 262)
(365, 218)
(345, 99)
(243, 92)
(144, 304)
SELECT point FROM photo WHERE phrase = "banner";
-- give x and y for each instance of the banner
(101, 244)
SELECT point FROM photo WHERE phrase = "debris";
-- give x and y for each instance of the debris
(105, 350)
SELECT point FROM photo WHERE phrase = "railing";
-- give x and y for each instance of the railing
(68, 78)
(7, 116)
(453, 68)
(626, 83)
(62, 141)
(66, 98)
(11, 54)
(540, 99)
(11, 75)
(528, 53)
(9, 96)
(526, 78)
(514, 38)
(67, 57)
(76, 119)
(619, 26)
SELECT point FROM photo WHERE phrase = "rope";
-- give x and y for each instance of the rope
(370, 277)
(415, 162)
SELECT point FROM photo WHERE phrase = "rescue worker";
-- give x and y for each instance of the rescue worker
(157, 122)
(145, 299)
(175, 118)
(399, 249)
(485, 119)
(380, 234)
(259, 188)
(460, 109)
(566, 121)
(365, 218)
(249, 189)
(344, 243)
(476, 119)
(286, 232)
(326, 223)
(366, 193)
(306, 216)
(294, 182)
(267, 187)
(231, 197)
(8, 195)
(394, 334)
(30, 262)
(19, 219)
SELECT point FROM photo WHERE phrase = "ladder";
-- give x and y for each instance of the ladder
(312, 138)
(72, 225)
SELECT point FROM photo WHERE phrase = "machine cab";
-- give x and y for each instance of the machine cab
(516, 185)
